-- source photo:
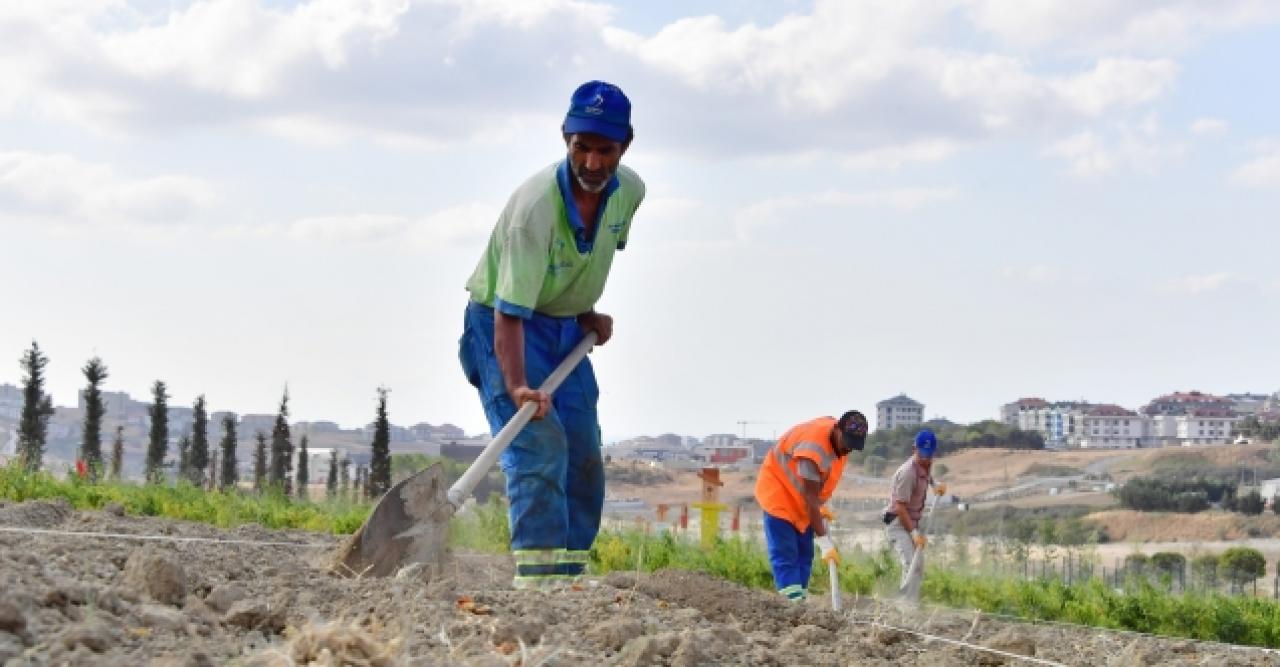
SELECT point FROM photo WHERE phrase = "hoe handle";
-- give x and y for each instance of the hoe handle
(467, 483)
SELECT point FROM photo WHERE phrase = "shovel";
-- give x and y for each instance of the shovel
(410, 523)
(928, 520)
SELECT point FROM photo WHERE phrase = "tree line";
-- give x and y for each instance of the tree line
(198, 464)
(1189, 495)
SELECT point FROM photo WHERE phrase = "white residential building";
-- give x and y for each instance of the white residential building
(1061, 422)
(1112, 427)
(901, 410)
(1190, 418)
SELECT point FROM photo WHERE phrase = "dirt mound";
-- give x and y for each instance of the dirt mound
(36, 513)
(67, 600)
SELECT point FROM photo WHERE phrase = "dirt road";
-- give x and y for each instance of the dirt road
(115, 601)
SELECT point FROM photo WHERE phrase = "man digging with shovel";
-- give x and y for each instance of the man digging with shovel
(532, 300)
(799, 474)
(907, 493)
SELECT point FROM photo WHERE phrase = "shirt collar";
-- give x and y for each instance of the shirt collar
(564, 178)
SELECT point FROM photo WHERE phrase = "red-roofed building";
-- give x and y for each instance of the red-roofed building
(1181, 403)
(1112, 427)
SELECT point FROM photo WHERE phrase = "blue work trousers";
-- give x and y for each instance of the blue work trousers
(555, 475)
(790, 555)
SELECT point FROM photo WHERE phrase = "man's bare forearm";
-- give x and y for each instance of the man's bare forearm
(904, 517)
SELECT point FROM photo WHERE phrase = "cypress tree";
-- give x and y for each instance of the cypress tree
(304, 469)
(230, 473)
(37, 408)
(211, 476)
(158, 441)
(117, 454)
(184, 457)
(379, 473)
(281, 448)
(331, 484)
(345, 475)
(260, 462)
(199, 442)
(91, 441)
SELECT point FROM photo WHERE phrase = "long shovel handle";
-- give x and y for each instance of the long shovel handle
(462, 488)
(833, 572)
(928, 519)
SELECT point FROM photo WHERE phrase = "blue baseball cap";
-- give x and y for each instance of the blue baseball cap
(926, 443)
(599, 108)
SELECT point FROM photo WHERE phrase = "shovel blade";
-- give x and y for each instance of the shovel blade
(410, 524)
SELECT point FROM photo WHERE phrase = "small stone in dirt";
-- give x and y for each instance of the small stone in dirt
(114, 509)
(515, 630)
(255, 615)
(63, 592)
(887, 637)
(806, 636)
(615, 633)
(198, 612)
(485, 661)
(690, 652)
(156, 574)
(223, 596)
(12, 620)
(10, 646)
(161, 617)
(648, 650)
(93, 635)
(1012, 641)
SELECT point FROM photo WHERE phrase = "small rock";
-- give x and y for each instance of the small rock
(681, 618)
(805, 636)
(255, 615)
(1011, 641)
(63, 592)
(615, 633)
(114, 509)
(93, 635)
(12, 620)
(649, 650)
(690, 652)
(156, 574)
(11, 646)
(516, 630)
(223, 596)
(161, 617)
(199, 613)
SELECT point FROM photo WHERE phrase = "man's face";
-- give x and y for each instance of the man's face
(925, 462)
(593, 159)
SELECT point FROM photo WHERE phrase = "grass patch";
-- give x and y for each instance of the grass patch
(188, 503)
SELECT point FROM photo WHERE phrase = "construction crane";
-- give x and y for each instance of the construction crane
(743, 423)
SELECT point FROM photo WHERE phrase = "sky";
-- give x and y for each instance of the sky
(969, 201)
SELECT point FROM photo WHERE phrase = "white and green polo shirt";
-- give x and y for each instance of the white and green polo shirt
(539, 259)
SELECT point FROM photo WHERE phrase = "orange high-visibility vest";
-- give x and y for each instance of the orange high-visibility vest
(779, 487)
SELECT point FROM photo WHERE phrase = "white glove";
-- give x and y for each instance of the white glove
(828, 547)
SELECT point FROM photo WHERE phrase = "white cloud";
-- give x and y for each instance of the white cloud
(463, 225)
(1035, 273)
(64, 190)
(750, 219)
(1106, 26)
(894, 157)
(1141, 147)
(1196, 284)
(1263, 171)
(870, 83)
(1208, 126)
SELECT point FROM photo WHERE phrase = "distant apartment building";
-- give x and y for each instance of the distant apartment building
(1190, 418)
(901, 410)
(425, 431)
(720, 440)
(1060, 422)
(10, 402)
(1248, 404)
(1112, 427)
(252, 424)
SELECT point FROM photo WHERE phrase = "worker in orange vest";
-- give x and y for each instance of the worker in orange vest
(798, 475)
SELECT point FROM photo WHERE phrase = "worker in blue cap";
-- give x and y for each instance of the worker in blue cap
(907, 493)
(533, 297)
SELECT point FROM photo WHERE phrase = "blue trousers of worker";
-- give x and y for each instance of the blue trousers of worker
(554, 470)
(790, 556)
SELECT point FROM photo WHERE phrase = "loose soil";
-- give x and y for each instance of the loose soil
(112, 601)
